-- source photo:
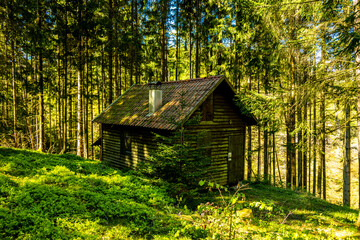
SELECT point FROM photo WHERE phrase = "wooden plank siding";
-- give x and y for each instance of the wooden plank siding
(142, 143)
(226, 122)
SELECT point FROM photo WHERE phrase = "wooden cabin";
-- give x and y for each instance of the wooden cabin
(128, 125)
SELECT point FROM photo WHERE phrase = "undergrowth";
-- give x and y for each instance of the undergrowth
(45, 196)
(64, 196)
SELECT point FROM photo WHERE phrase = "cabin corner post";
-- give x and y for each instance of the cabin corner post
(101, 145)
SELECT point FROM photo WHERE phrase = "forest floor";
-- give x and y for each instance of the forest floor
(45, 196)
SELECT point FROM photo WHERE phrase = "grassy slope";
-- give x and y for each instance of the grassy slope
(65, 197)
(302, 215)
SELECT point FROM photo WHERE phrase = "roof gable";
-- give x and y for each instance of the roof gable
(180, 100)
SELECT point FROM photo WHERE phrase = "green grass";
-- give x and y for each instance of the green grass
(64, 196)
(44, 196)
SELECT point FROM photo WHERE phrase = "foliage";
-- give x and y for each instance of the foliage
(180, 163)
(265, 108)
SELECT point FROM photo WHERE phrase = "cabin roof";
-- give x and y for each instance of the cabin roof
(179, 101)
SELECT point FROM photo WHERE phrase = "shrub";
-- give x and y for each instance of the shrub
(179, 163)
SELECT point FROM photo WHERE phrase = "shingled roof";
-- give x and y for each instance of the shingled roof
(180, 100)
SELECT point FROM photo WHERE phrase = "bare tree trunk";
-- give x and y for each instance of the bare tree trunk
(41, 105)
(321, 169)
(65, 86)
(177, 41)
(80, 132)
(305, 150)
(299, 142)
(314, 144)
(274, 155)
(91, 110)
(357, 77)
(346, 173)
(14, 93)
(266, 157)
(110, 52)
(6, 104)
(163, 40)
(249, 158)
(290, 119)
(86, 102)
(266, 133)
(358, 135)
(197, 54)
(259, 153)
(309, 146)
(117, 84)
(259, 138)
(103, 84)
(190, 47)
(291, 152)
(59, 96)
(41, 87)
(131, 50)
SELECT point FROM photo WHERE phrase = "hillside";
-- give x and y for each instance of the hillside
(45, 196)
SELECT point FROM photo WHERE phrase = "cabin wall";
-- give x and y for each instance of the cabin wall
(118, 154)
(226, 123)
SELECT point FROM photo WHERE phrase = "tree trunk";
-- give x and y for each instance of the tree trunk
(314, 143)
(65, 86)
(266, 157)
(290, 121)
(41, 106)
(177, 41)
(346, 173)
(86, 101)
(249, 158)
(110, 52)
(273, 157)
(14, 93)
(305, 150)
(322, 167)
(59, 96)
(290, 149)
(163, 40)
(80, 132)
(190, 48)
(41, 88)
(197, 57)
(299, 142)
(358, 133)
(357, 77)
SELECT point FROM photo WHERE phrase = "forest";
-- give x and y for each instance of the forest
(294, 64)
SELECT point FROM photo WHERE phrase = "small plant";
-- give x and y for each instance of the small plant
(223, 219)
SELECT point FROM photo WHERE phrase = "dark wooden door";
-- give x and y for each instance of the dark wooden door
(236, 158)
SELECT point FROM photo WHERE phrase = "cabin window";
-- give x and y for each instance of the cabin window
(125, 143)
(208, 109)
